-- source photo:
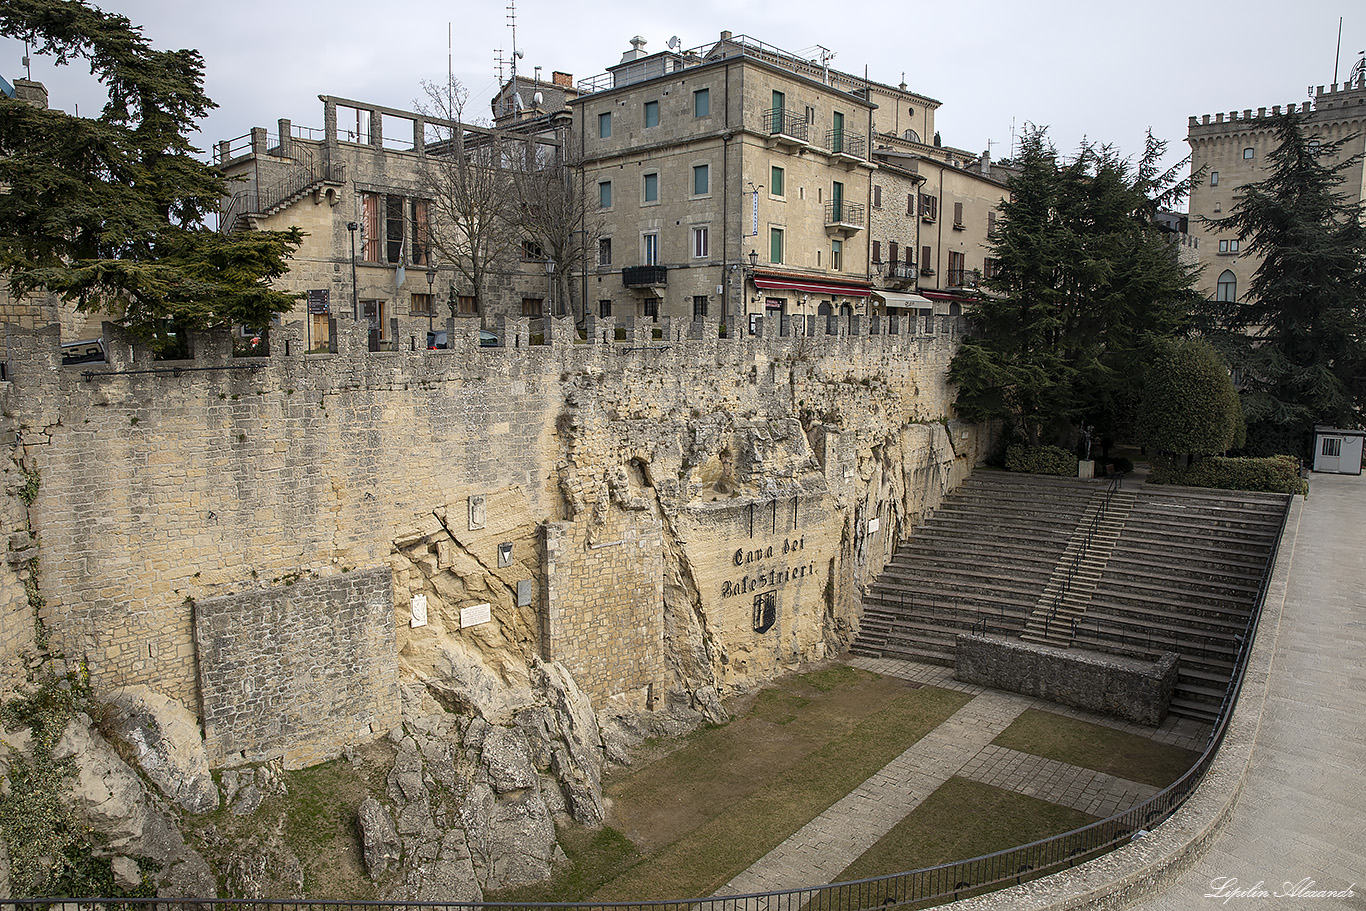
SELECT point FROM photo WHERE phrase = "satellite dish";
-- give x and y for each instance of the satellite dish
(675, 43)
(538, 99)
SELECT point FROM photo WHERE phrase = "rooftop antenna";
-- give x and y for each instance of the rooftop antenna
(28, 70)
(516, 55)
(826, 56)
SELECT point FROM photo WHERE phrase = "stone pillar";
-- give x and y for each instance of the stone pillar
(286, 139)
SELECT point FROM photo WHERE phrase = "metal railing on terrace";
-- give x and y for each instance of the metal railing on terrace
(844, 142)
(782, 122)
(901, 271)
(735, 45)
(844, 213)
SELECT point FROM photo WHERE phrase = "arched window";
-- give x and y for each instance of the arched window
(911, 135)
(1228, 287)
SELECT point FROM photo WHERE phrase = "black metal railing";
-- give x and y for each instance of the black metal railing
(1074, 566)
(843, 142)
(844, 213)
(782, 122)
(931, 884)
(304, 175)
(901, 272)
(644, 276)
(964, 278)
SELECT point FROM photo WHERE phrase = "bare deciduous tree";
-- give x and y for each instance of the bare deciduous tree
(472, 197)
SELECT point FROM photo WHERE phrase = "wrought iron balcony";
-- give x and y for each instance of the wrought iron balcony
(901, 272)
(964, 278)
(846, 143)
(844, 217)
(783, 124)
(644, 276)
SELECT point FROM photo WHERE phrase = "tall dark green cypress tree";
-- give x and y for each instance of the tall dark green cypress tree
(1299, 331)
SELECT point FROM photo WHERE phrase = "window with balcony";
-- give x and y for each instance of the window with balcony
(701, 180)
(649, 250)
(650, 189)
(701, 103)
(775, 245)
(605, 194)
(651, 114)
(605, 125)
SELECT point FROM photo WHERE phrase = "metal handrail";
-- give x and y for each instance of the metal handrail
(1061, 594)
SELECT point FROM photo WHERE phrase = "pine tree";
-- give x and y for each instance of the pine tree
(1299, 332)
(109, 212)
(1085, 282)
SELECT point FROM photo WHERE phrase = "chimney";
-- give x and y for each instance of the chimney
(986, 162)
(35, 93)
(562, 79)
(637, 50)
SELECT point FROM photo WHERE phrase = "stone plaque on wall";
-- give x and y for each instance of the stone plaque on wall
(419, 614)
(526, 590)
(505, 554)
(478, 512)
(473, 616)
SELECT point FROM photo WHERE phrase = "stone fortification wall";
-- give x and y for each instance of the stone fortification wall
(491, 481)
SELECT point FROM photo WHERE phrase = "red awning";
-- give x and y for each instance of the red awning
(805, 287)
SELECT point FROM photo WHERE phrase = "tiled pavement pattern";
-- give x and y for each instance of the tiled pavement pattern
(960, 746)
(1081, 789)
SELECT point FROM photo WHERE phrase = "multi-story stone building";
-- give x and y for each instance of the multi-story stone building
(737, 180)
(356, 188)
(1229, 151)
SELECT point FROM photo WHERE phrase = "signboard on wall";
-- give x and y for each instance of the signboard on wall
(319, 302)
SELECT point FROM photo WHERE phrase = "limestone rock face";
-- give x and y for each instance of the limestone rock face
(379, 839)
(128, 821)
(164, 739)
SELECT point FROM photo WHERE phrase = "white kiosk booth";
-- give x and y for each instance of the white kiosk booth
(1338, 451)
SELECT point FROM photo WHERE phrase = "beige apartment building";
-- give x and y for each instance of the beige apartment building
(733, 183)
(1231, 150)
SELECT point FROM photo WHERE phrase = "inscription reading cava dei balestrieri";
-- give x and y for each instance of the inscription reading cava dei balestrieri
(768, 577)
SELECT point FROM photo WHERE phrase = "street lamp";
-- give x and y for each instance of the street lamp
(355, 300)
(431, 296)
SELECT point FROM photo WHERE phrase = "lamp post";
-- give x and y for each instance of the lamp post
(355, 299)
(753, 265)
(431, 295)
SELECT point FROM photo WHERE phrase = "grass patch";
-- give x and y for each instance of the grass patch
(1096, 747)
(962, 819)
(779, 796)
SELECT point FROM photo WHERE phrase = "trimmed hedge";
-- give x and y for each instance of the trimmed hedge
(1273, 474)
(1041, 460)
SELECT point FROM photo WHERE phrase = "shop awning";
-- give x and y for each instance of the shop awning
(908, 301)
(778, 283)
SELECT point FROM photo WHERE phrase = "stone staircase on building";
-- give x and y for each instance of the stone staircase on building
(1064, 600)
(985, 555)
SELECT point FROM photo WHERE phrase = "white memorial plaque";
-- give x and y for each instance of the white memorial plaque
(873, 525)
(419, 617)
(525, 589)
(473, 616)
(478, 512)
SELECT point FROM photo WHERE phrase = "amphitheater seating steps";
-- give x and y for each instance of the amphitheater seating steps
(984, 555)
(1177, 569)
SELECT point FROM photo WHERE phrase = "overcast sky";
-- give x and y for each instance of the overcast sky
(1083, 69)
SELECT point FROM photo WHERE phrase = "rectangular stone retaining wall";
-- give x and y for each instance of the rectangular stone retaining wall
(1137, 691)
(296, 672)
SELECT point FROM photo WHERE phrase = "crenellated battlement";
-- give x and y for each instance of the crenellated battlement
(1335, 98)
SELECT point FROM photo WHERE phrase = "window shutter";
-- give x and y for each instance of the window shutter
(877, 251)
(958, 213)
(877, 197)
(910, 203)
(891, 253)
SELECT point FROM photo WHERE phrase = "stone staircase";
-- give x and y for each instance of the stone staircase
(1167, 569)
(1186, 580)
(1074, 579)
(985, 555)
